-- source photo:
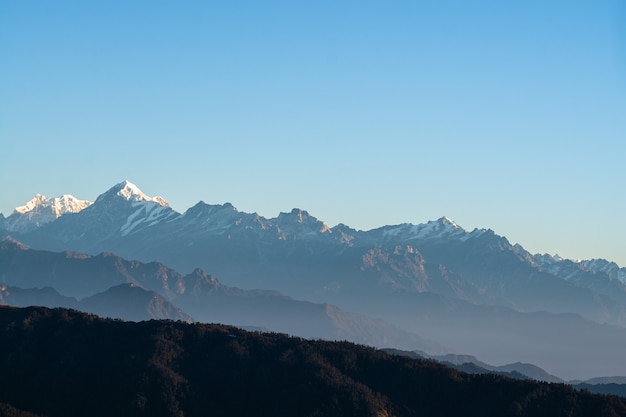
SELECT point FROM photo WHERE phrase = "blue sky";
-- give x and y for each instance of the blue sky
(501, 115)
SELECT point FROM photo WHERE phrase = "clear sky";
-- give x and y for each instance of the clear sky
(498, 114)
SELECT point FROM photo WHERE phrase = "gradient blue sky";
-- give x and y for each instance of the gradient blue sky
(497, 114)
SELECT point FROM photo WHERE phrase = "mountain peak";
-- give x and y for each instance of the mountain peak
(301, 219)
(202, 209)
(57, 206)
(130, 192)
(301, 214)
(296, 214)
(37, 201)
(41, 210)
(433, 229)
(440, 227)
(449, 222)
(127, 189)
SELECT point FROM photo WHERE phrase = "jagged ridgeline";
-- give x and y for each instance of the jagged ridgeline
(59, 362)
(468, 291)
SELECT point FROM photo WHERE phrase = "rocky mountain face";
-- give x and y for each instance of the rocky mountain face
(476, 278)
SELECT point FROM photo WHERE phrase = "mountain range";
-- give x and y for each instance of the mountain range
(470, 291)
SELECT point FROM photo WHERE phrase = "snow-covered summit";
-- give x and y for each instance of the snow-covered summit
(41, 210)
(449, 222)
(56, 206)
(442, 226)
(130, 192)
(32, 204)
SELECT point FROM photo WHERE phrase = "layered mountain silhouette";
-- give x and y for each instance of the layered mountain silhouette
(471, 290)
(299, 255)
(110, 286)
(518, 370)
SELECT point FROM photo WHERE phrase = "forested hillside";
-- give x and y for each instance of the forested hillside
(59, 362)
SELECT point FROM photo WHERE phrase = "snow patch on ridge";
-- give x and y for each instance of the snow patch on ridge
(434, 229)
(152, 215)
(568, 268)
(610, 268)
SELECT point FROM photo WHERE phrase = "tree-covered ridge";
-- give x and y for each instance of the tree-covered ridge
(7, 410)
(59, 362)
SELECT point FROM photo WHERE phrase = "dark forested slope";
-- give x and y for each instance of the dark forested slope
(59, 362)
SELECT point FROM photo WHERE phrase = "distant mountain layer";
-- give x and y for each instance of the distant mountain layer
(164, 368)
(527, 369)
(124, 301)
(469, 364)
(113, 287)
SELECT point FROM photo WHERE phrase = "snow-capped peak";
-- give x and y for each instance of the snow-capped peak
(32, 204)
(440, 228)
(449, 222)
(130, 192)
(56, 206)
(127, 190)
(41, 210)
